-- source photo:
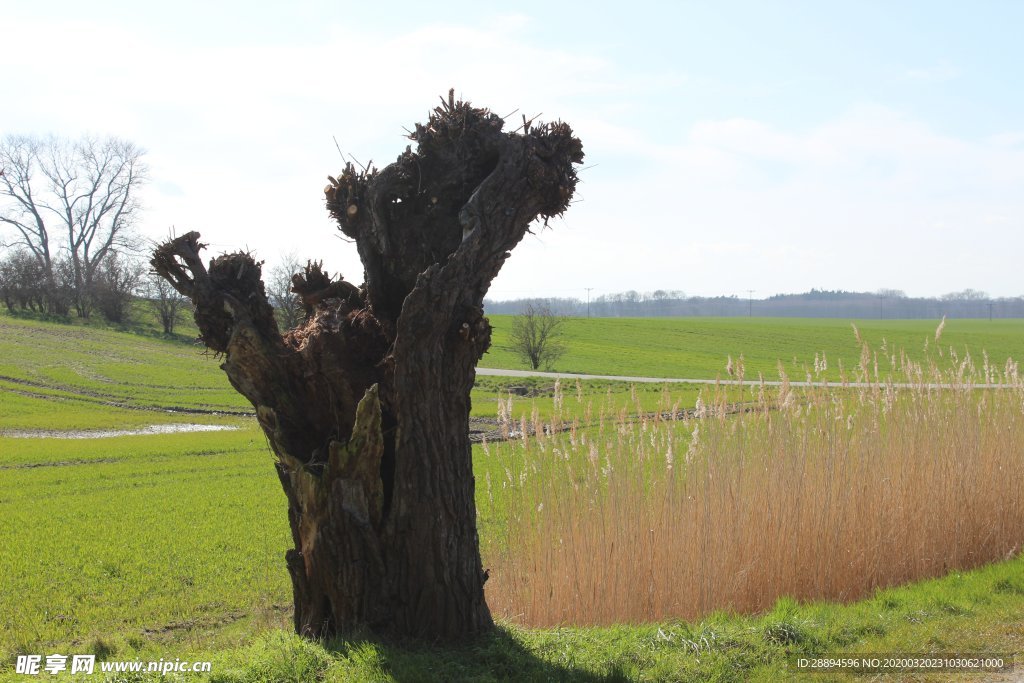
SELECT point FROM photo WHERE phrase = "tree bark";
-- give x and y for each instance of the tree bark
(366, 403)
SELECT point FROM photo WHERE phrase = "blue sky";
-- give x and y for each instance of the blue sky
(773, 146)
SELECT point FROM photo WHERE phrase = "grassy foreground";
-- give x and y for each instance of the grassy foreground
(171, 546)
(981, 611)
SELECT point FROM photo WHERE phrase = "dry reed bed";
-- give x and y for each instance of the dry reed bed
(823, 493)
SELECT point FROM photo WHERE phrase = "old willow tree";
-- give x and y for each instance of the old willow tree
(366, 402)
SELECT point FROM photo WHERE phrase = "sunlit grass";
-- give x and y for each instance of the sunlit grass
(137, 535)
(699, 347)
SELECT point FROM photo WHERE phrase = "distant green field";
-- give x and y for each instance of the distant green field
(700, 347)
(651, 347)
(57, 376)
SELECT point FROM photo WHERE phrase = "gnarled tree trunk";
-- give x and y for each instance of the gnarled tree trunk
(366, 403)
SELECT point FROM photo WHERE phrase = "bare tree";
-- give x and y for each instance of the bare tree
(22, 283)
(82, 194)
(366, 404)
(115, 283)
(287, 304)
(535, 336)
(166, 300)
(19, 170)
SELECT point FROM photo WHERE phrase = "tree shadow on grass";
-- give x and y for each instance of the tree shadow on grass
(498, 656)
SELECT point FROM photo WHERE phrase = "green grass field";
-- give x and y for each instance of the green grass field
(700, 347)
(172, 545)
(103, 379)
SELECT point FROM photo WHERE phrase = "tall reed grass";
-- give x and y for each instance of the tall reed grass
(821, 492)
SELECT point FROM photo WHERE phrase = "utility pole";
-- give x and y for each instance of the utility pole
(588, 299)
(750, 303)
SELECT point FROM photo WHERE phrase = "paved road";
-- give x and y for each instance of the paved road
(499, 372)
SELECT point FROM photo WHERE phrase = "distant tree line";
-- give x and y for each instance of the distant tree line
(882, 304)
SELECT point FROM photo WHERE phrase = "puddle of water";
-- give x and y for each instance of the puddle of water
(104, 434)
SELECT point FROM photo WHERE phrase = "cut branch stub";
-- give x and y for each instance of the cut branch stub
(314, 286)
(419, 210)
(227, 294)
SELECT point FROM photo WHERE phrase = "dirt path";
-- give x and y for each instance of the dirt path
(500, 372)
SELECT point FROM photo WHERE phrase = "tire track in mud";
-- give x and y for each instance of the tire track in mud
(109, 400)
(491, 429)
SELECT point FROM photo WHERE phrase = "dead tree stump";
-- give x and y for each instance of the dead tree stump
(366, 403)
